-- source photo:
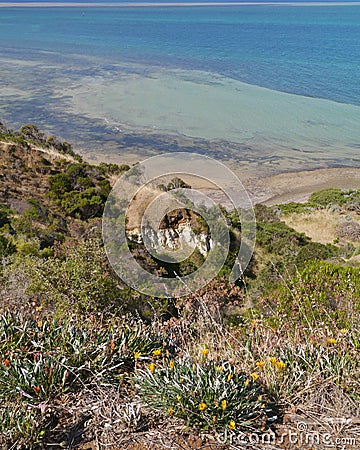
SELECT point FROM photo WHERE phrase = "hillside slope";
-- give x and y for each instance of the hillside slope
(88, 363)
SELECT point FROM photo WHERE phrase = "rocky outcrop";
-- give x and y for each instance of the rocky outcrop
(177, 229)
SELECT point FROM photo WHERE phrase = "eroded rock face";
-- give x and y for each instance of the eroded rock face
(175, 231)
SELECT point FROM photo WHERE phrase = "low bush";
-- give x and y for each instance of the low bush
(208, 395)
(321, 293)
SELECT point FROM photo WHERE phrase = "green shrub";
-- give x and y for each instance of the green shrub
(32, 133)
(78, 278)
(83, 205)
(5, 213)
(59, 184)
(321, 293)
(279, 239)
(6, 246)
(294, 208)
(112, 169)
(315, 251)
(328, 197)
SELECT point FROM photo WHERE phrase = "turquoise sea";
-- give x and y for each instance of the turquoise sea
(277, 83)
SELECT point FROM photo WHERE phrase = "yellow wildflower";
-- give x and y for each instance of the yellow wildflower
(332, 341)
(246, 383)
(171, 365)
(171, 411)
(214, 419)
(344, 331)
(230, 376)
(152, 367)
(137, 355)
(202, 406)
(178, 398)
(182, 380)
(273, 360)
(260, 364)
(205, 352)
(224, 405)
(280, 365)
(219, 368)
(254, 376)
(40, 324)
(231, 425)
(157, 352)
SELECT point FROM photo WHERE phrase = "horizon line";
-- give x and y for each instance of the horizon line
(172, 4)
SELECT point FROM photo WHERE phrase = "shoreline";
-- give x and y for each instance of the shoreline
(269, 189)
(298, 186)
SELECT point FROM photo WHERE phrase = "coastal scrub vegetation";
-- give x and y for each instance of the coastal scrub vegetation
(85, 360)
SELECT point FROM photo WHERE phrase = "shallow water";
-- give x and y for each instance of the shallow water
(199, 104)
(270, 87)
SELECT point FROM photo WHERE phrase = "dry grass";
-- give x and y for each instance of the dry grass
(309, 386)
(319, 225)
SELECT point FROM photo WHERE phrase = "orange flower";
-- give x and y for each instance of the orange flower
(6, 363)
(112, 346)
(37, 389)
(171, 365)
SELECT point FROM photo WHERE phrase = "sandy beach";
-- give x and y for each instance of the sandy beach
(297, 186)
(268, 189)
